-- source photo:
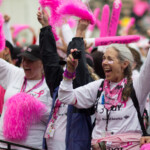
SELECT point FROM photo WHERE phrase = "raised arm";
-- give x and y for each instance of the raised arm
(50, 58)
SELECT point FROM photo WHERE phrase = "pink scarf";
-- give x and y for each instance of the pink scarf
(113, 97)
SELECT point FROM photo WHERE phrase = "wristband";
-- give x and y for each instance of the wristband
(69, 75)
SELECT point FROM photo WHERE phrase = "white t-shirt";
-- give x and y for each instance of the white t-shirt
(12, 78)
(57, 142)
(124, 118)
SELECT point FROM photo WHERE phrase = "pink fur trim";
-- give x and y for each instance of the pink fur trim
(145, 147)
(105, 21)
(22, 110)
(117, 5)
(117, 39)
(2, 36)
(18, 28)
(76, 8)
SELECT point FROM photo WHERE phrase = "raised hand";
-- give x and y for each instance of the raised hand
(43, 17)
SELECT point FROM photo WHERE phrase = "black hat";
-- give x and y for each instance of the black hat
(32, 52)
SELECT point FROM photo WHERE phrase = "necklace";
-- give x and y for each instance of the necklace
(34, 87)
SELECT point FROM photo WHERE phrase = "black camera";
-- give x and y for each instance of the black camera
(76, 54)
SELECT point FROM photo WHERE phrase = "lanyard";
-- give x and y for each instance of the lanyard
(34, 87)
(107, 119)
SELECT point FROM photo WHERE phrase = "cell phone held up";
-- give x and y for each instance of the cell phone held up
(76, 54)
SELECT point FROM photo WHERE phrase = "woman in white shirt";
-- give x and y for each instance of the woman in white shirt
(117, 124)
(29, 80)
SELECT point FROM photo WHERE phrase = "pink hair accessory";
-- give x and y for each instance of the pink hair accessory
(2, 36)
(117, 5)
(145, 147)
(75, 8)
(22, 110)
(116, 39)
(105, 21)
(130, 24)
(18, 28)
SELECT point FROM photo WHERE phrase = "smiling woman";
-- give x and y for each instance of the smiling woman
(30, 82)
(117, 125)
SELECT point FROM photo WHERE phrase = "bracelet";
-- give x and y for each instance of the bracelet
(69, 75)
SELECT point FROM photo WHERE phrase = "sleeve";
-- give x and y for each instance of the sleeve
(50, 58)
(7, 73)
(67, 33)
(141, 82)
(7, 33)
(82, 74)
(82, 97)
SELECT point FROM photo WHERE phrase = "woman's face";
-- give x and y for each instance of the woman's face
(32, 69)
(112, 66)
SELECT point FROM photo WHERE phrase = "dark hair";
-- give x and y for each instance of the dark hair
(97, 59)
(11, 48)
(137, 58)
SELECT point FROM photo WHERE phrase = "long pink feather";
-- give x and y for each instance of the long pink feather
(105, 21)
(117, 5)
(18, 28)
(2, 36)
(22, 110)
(75, 8)
(116, 39)
(145, 147)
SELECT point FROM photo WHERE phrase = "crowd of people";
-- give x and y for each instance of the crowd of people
(69, 95)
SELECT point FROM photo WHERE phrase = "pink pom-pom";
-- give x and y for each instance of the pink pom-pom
(2, 36)
(145, 147)
(22, 110)
(76, 8)
(117, 5)
(116, 39)
(18, 28)
(105, 21)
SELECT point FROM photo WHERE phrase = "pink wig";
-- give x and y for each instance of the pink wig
(76, 8)
(2, 37)
(145, 147)
(105, 21)
(117, 5)
(22, 110)
(18, 28)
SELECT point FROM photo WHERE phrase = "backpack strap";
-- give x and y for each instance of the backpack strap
(100, 90)
(137, 107)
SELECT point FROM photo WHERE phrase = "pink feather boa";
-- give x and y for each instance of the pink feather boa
(2, 36)
(21, 111)
(145, 147)
(75, 8)
(18, 28)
